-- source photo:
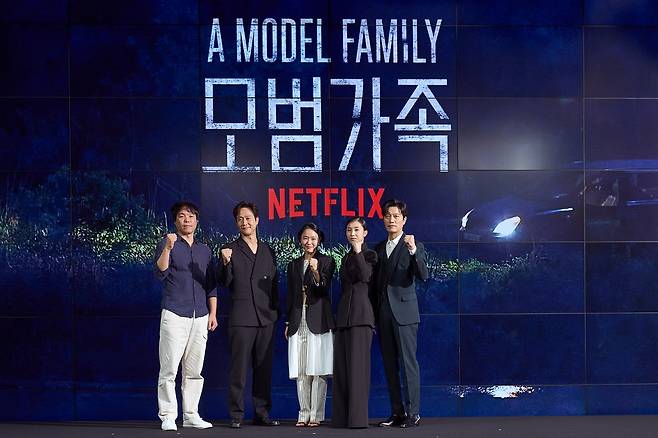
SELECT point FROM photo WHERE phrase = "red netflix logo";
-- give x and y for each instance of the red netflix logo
(301, 202)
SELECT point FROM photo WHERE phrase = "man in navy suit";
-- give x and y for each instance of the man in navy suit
(401, 260)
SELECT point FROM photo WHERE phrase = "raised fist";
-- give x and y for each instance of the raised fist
(171, 239)
(226, 255)
(313, 264)
(410, 241)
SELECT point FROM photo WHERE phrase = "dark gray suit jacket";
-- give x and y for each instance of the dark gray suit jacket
(396, 277)
(253, 282)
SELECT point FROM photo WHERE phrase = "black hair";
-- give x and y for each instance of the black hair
(244, 204)
(401, 205)
(311, 226)
(184, 205)
(358, 219)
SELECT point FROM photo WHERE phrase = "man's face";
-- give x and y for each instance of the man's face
(393, 220)
(186, 222)
(246, 222)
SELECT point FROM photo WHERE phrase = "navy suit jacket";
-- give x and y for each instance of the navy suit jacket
(396, 277)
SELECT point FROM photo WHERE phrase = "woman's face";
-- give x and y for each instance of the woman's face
(355, 232)
(309, 241)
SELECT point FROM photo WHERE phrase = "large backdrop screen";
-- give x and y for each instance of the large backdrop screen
(522, 136)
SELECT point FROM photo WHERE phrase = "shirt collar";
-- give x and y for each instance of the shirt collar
(395, 241)
(181, 240)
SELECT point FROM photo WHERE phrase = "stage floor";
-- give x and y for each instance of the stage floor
(631, 426)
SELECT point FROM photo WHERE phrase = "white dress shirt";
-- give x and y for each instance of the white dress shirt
(391, 244)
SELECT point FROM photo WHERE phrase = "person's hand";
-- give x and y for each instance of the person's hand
(313, 264)
(212, 323)
(226, 255)
(171, 239)
(356, 246)
(410, 241)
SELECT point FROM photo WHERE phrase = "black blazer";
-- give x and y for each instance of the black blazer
(354, 307)
(253, 283)
(396, 278)
(318, 297)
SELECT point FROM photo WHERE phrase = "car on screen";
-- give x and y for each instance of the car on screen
(617, 200)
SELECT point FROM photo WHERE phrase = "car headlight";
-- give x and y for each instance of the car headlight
(507, 227)
(465, 219)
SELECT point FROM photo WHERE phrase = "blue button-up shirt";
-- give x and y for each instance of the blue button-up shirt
(189, 280)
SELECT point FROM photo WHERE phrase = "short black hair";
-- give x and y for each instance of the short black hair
(359, 219)
(244, 204)
(311, 226)
(184, 205)
(401, 205)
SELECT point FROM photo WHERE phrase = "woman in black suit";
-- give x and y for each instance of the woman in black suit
(308, 325)
(355, 322)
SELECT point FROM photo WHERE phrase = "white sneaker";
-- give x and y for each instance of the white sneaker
(168, 424)
(197, 423)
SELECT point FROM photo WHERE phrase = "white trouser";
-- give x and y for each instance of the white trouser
(181, 338)
(311, 390)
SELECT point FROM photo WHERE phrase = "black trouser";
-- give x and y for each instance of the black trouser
(351, 382)
(251, 347)
(398, 345)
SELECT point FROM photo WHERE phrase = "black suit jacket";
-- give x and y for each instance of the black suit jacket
(318, 297)
(253, 283)
(396, 277)
(354, 307)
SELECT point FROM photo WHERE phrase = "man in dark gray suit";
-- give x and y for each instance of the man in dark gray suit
(401, 261)
(248, 269)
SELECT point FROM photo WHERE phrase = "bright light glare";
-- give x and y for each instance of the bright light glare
(465, 219)
(507, 227)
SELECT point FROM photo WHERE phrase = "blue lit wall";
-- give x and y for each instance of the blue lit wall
(551, 110)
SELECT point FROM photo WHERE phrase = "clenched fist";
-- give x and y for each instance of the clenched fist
(410, 242)
(212, 322)
(313, 264)
(171, 239)
(226, 255)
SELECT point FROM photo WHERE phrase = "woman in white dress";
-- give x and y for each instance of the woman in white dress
(309, 322)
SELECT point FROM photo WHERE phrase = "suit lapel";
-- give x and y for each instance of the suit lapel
(299, 270)
(383, 265)
(382, 251)
(251, 257)
(256, 257)
(308, 276)
(395, 257)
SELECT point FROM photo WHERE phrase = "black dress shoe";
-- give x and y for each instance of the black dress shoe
(393, 421)
(411, 421)
(266, 422)
(236, 424)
